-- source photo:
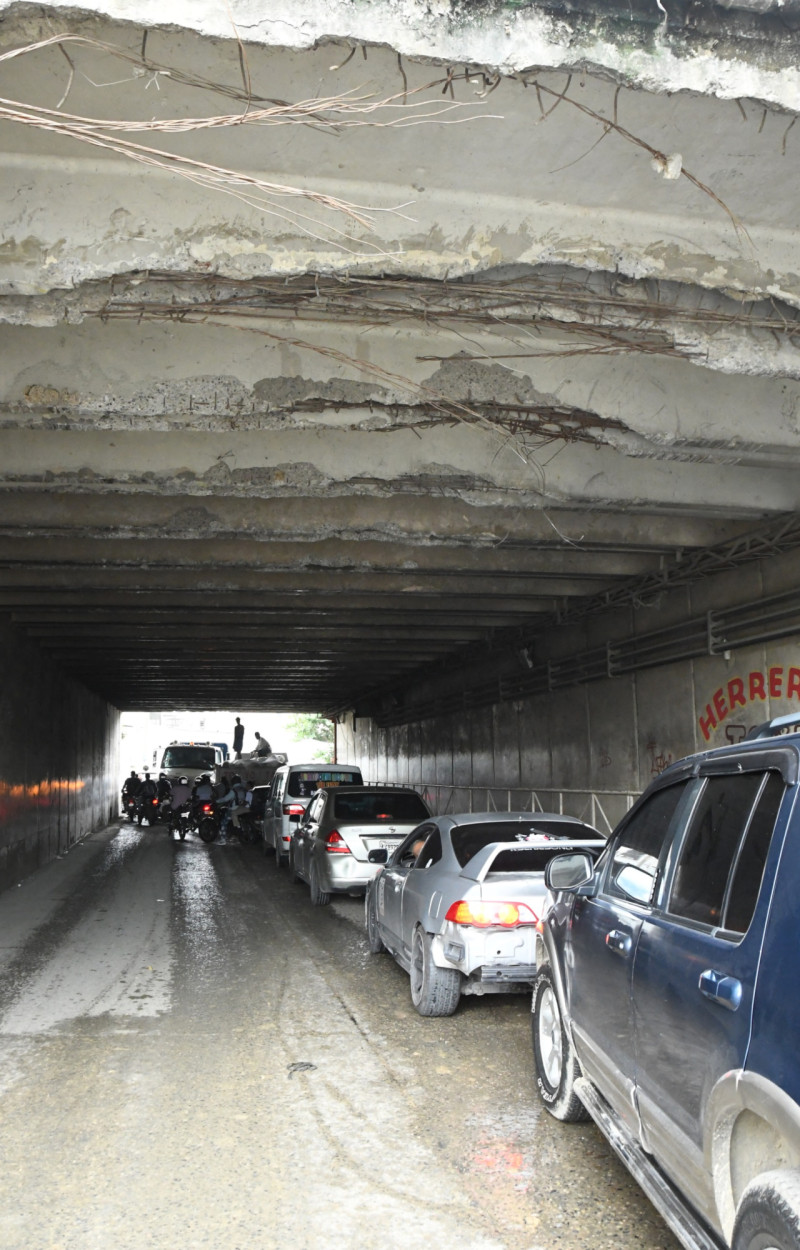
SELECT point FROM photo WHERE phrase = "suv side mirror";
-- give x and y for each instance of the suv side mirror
(569, 872)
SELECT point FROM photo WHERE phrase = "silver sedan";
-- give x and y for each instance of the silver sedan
(457, 902)
(331, 843)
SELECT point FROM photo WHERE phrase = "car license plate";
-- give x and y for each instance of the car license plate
(383, 845)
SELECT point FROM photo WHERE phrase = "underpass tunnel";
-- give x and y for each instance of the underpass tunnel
(438, 371)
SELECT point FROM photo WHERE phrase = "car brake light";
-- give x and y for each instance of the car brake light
(485, 915)
(293, 809)
(335, 844)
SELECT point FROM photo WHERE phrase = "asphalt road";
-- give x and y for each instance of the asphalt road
(155, 999)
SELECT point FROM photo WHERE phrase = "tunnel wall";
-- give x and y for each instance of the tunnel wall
(60, 759)
(603, 737)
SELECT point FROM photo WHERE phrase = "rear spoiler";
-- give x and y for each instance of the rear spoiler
(481, 862)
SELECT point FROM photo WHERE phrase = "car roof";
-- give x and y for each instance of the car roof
(316, 766)
(367, 789)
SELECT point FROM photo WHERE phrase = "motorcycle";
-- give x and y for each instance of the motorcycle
(207, 815)
(246, 829)
(129, 806)
(148, 809)
(181, 820)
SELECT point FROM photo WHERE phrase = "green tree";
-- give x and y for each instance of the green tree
(308, 726)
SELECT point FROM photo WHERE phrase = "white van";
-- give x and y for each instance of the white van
(290, 792)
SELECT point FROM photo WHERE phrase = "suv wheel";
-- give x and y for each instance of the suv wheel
(556, 1065)
(768, 1217)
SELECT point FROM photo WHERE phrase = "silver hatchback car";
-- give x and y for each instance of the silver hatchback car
(331, 843)
(458, 902)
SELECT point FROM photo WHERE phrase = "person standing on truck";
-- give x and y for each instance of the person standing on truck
(262, 746)
(238, 739)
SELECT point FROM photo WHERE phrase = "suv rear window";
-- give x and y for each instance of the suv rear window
(401, 808)
(305, 781)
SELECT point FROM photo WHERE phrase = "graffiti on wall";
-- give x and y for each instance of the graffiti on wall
(659, 759)
(775, 682)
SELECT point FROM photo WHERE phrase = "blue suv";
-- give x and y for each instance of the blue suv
(667, 997)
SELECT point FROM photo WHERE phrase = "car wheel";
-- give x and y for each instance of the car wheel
(768, 1217)
(556, 1065)
(319, 898)
(435, 991)
(374, 941)
(294, 875)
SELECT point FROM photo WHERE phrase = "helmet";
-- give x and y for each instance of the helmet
(183, 781)
(205, 777)
(162, 776)
(235, 779)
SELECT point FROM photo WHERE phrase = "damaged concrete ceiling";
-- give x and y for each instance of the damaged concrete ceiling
(356, 342)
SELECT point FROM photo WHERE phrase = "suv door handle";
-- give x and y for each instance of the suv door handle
(619, 943)
(726, 991)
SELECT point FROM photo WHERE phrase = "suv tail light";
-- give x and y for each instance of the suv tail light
(293, 809)
(206, 807)
(486, 915)
(335, 844)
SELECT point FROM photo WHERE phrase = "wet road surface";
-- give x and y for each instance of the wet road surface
(192, 1056)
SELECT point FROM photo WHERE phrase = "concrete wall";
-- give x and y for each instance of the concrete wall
(606, 736)
(59, 763)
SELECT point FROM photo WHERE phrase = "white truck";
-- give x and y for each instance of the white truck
(191, 759)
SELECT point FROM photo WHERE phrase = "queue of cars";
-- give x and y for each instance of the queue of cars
(663, 962)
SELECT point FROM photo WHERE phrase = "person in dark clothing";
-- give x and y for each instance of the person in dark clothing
(238, 739)
(132, 785)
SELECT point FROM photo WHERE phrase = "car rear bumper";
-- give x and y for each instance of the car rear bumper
(488, 956)
(344, 873)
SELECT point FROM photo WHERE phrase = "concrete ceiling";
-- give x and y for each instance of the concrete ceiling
(352, 343)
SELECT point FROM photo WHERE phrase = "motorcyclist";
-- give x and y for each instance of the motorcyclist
(147, 792)
(233, 802)
(148, 788)
(164, 788)
(131, 785)
(238, 803)
(203, 790)
(181, 793)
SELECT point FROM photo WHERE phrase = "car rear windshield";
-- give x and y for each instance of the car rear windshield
(469, 839)
(305, 781)
(193, 759)
(532, 859)
(379, 808)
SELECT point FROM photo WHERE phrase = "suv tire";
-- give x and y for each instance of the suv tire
(768, 1217)
(553, 1052)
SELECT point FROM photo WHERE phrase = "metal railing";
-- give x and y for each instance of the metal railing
(601, 808)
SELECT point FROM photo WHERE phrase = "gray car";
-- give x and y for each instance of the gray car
(457, 903)
(331, 844)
